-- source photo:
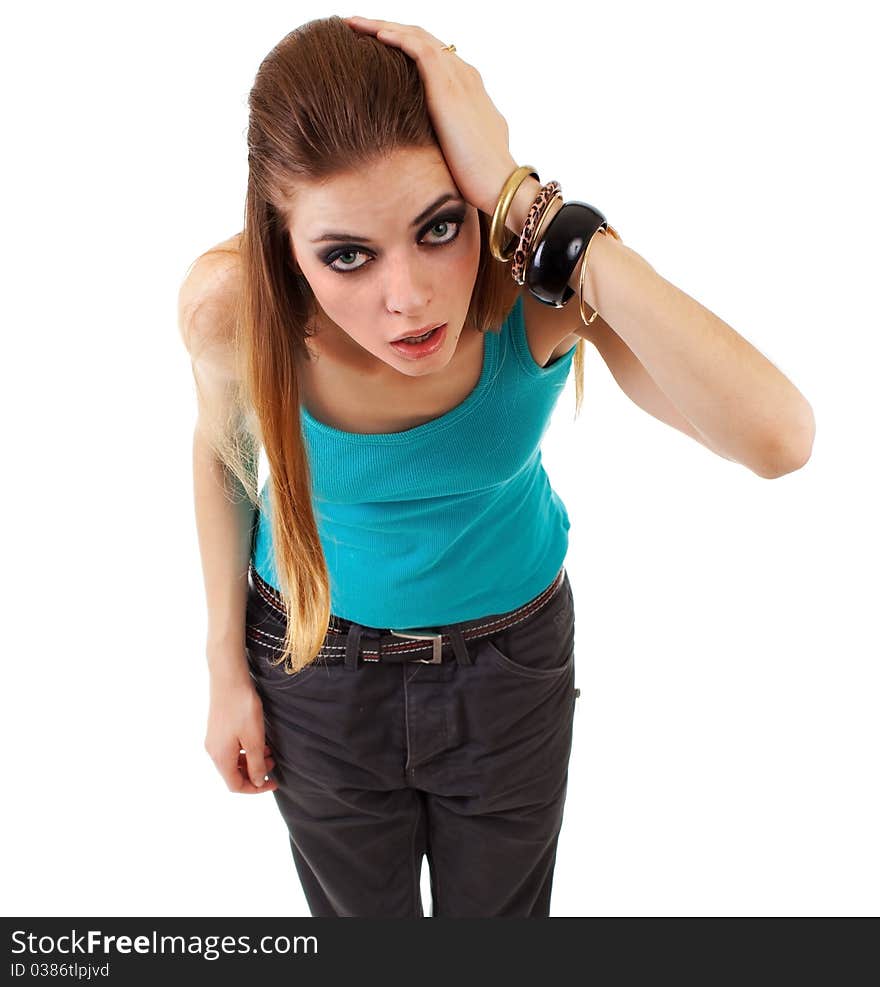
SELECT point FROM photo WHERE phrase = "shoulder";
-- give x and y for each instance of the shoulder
(206, 303)
(551, 332)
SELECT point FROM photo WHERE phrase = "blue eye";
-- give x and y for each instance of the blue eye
(455, 219)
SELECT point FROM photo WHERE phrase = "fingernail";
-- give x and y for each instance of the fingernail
(259, 782)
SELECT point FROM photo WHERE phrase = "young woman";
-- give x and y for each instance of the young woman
(391, 626)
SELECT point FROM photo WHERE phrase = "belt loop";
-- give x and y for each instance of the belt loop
(458, 645)
(353, 645)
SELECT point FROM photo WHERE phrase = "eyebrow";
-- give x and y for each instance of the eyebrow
(335, 235)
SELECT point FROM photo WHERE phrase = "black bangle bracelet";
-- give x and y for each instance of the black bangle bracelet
(556, 256)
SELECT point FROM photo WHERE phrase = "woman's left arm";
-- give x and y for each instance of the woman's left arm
(746, 407)
(730, 392)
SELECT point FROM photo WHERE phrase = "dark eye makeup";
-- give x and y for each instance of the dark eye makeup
(456, 217)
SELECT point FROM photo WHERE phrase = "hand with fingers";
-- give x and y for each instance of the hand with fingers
(473, 135)
(235, 738)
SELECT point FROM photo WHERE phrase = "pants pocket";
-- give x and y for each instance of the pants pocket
(542, 644)
(264, 643)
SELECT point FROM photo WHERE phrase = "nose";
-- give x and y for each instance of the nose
(406, 288)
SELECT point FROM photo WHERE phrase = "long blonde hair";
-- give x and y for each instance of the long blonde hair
(325, 100)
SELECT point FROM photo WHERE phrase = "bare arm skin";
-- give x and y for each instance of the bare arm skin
(224, 518)
(670, 353)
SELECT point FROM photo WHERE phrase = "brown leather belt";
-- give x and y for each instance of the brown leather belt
(344, 637)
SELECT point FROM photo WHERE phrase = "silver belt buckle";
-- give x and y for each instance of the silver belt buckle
(438, 645)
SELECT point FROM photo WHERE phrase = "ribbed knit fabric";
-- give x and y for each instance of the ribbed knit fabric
(451, 520)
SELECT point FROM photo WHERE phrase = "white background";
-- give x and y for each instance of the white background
(726, 739)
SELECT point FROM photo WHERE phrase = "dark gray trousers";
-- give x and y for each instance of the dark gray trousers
(383, 764)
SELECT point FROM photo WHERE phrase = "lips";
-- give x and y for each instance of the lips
(422, 348)
(419, 332)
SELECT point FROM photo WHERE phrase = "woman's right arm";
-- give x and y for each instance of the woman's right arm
(224, 518)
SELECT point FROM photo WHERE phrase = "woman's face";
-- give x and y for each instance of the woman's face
(384, 259)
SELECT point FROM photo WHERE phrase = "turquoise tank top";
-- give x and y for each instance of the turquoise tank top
(452, 520)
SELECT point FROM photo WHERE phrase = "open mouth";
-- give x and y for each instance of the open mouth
(419, 339)
(421, 345)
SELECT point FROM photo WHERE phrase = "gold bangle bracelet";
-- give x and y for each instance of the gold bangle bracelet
(523, 253)
(581, 302)
(499, 216)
